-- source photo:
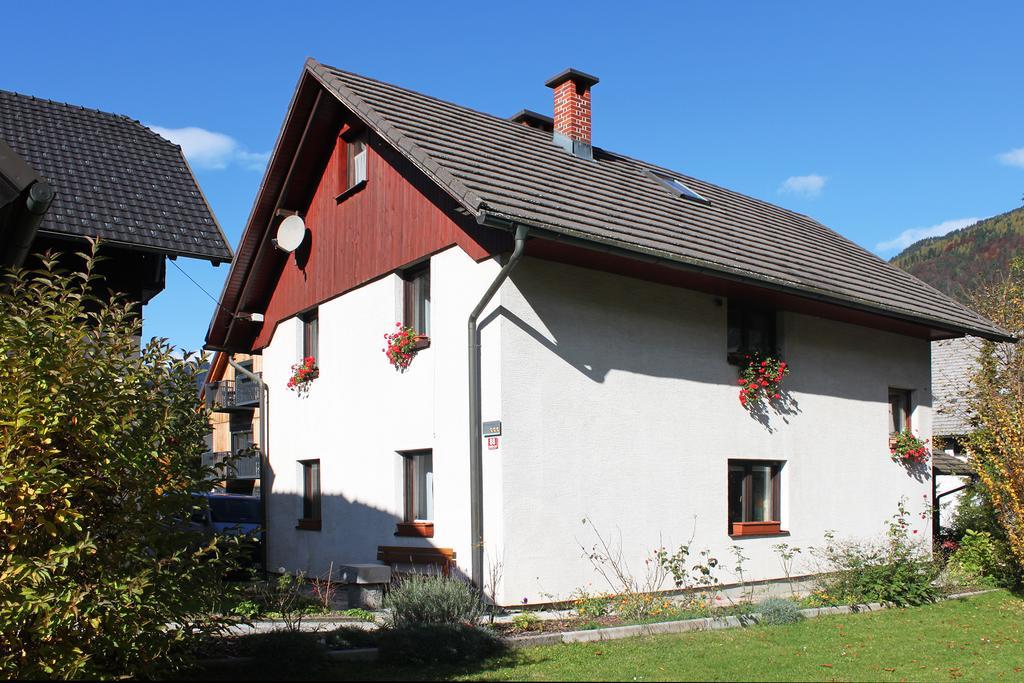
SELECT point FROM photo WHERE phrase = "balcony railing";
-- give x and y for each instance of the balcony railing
(229, 395)
(246, 466)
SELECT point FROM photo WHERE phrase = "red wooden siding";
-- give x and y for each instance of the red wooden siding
(398, 218)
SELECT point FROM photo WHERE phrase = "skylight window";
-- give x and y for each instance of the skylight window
(679, 187)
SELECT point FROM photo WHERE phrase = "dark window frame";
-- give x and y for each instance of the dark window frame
(741, 316)
(905, 399)
(311, 334)
(747, 496)
(311, 518)
(416, 299)
(411, 524)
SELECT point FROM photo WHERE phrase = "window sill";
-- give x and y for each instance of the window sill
(422, 342)
(308, 524)
(350, 191)
(744, 529)
(415, 529)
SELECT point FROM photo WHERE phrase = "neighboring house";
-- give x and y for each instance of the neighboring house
(233, 400)
(108, 177)
(953, 363)
(607, 359)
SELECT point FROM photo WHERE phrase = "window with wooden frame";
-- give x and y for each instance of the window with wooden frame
(310, 519)
(355, 160)
(416, 300)
(750, 328)
(418, 494)
(755, 497)
(311, 334)
(900, 410)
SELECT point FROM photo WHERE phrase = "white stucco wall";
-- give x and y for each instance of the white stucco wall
(618, 405)
(361, 412)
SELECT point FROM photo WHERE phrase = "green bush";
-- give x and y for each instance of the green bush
(99, 464)
(979, 560)
(420, 600)
(778, 611)
(438, 644)
(526, 621)
(974, 512)
(897, 571)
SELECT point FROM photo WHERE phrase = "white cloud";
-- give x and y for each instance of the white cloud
(211, 150)
(809, 186)
(908, 237)
(1015, 157)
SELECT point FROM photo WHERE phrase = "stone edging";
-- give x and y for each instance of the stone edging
(370, 654)
(705, 624)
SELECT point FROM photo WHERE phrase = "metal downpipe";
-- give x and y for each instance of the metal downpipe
(476, 470)
(264, 461)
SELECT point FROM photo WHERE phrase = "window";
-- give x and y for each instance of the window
(754, 497)
(241, 439)
(679, 187)
(750, 329)
(899, 411)
(416, 298)
(419, 494)
(310, 495)
(356, 160)
(310, 334)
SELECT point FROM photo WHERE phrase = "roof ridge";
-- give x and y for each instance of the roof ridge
(69, 105)
(596, 147)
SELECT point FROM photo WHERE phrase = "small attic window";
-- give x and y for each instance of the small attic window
(677, 186)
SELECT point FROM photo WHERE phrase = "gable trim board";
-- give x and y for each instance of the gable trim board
(503, 173)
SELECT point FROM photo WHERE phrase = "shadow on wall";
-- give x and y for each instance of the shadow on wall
(350, 533)
(598, 323)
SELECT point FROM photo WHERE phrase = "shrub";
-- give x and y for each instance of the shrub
(979, 560)
(778, 611)
(99, 464)
(590, 606)
(438, 644)
(897, 570)
(525, 621)
(432, 600)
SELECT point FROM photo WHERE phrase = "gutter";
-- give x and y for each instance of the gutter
(23, 229)
(476, 472)
(264, 460)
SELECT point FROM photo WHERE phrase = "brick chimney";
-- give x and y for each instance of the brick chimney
(572, 111)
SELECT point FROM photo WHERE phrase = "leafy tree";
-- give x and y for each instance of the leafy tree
(99, 444)
(997, 401)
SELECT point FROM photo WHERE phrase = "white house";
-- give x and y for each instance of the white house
(624, 300)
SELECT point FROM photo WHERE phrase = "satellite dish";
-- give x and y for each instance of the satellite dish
(290, 234)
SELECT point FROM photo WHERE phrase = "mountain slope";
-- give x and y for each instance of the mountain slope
(956, 263)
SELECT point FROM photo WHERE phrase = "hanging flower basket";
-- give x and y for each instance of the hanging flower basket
(303, 374)
(761, 379)
(908, 449)
(402, 345)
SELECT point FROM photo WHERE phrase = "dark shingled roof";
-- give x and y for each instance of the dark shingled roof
(115, 179)
(509, 171)
(944, 463)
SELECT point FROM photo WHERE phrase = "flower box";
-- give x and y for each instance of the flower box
(422, 342)
(416, 529)
(756, 528)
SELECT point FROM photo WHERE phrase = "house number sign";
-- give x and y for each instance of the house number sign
(492, 428)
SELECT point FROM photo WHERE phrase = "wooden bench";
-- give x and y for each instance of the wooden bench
(400, 554)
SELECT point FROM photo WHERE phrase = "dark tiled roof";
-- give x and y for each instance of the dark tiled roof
(944, 463)
(115, 179)
(511, 171)
(953, 362)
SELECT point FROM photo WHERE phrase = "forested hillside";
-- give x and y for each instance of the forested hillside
(957, 262)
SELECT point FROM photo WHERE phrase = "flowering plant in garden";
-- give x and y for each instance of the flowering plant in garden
(303, 374)
(401, 348)
(907, 448)
(760, 379)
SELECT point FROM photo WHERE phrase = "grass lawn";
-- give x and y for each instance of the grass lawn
(974, 638)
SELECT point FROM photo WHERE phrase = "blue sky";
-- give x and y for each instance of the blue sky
(875, 118)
